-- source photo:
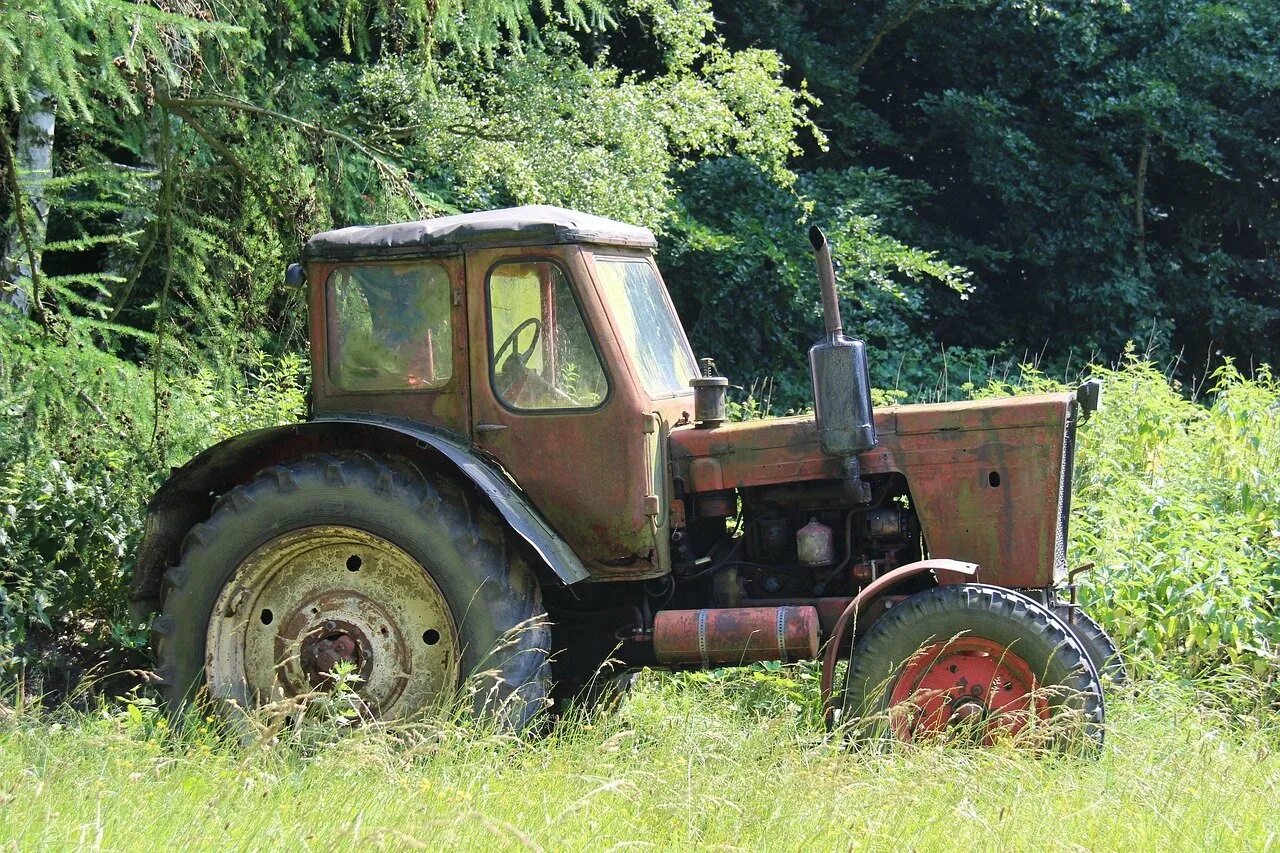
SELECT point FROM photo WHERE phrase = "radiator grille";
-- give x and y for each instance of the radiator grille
(1064, 493)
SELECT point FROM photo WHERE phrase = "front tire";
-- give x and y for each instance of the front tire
(361, 559)
(1096, 641)
(974, 661)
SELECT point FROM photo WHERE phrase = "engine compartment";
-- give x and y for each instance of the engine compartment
(796, 541)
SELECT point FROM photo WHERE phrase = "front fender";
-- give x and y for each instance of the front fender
(188, 496)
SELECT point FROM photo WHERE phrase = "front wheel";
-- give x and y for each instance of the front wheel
(1096, 641)
(358, 562)
(977, 663)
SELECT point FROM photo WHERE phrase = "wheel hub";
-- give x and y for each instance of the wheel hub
(968, 683)
(330, 644)
(314, 599)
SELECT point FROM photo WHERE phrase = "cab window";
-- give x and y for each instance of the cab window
(391, 327)
(540, 354)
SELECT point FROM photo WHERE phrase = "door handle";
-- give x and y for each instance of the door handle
(490, 427)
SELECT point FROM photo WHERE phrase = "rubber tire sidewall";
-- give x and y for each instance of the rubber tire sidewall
(1003, 616)
(1102, 650)
(300, 495)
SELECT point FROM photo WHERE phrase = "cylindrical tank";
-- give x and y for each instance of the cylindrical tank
(709, 392)
(734, 635)
(814, 544)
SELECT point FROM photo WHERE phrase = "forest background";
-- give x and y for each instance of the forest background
(1006, 182)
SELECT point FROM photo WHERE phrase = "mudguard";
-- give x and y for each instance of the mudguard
(495, 484)
(188, 495)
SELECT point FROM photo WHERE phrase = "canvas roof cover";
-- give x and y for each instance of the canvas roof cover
(527, 225)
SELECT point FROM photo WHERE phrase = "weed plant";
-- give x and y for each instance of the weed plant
(720, 760)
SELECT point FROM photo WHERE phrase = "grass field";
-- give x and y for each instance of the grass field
(684, 763)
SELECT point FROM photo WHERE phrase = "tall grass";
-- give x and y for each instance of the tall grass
(684, 763)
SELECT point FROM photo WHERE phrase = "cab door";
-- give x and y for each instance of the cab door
(553, 403)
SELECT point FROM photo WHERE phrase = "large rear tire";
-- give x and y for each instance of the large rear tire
(977, 663)
(362, 559)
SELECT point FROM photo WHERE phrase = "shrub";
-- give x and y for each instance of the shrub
(1177, 502)
(82, 452)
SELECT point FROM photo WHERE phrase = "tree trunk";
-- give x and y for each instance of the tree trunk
(32, 167)
(1140, 199)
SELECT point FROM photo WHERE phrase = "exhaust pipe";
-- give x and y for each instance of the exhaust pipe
(827, 278)
(841, 381)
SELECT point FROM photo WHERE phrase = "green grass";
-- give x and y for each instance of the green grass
(684, 763)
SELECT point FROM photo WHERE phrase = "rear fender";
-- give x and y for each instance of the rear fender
(188, 496)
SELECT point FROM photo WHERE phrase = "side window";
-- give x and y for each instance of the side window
(391, 327)
(540, 352)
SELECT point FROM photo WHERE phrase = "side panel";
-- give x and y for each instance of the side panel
(989, 497)
(986, 477)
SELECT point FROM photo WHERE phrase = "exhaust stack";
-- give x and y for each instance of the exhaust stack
(841, 380)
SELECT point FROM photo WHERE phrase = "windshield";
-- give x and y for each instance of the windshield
(649, 327)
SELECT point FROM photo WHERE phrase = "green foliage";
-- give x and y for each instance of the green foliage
(1178, 504)
(1107, 170)
(82, 51)
(83, 453)
(683, 764)
(743, 277)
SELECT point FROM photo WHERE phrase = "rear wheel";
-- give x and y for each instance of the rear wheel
(974, 663)
(354, 560)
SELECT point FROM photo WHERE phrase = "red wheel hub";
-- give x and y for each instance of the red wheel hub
(967, 682)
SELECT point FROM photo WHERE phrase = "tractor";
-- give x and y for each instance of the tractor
(516, 479)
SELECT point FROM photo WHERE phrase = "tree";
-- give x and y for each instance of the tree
(189, 173)
(1108, 171)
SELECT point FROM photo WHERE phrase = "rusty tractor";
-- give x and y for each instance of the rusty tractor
(516, 475)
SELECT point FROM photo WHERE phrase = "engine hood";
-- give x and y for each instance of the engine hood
(780, 450)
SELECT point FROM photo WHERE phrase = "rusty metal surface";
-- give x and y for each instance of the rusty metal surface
(735, 635)
(587, 471)
(312, 598)
(984, 476)
(967, 686)
(946, 571)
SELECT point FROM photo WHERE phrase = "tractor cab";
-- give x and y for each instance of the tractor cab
(529, 334)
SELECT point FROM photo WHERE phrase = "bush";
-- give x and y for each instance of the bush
(82, 452)
(1177, 502)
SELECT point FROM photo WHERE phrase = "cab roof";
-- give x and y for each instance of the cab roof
(512, 226)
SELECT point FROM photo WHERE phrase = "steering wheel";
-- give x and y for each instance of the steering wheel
(513, 342)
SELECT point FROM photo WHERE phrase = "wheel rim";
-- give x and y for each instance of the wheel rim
(313, 598)
(966, 685)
